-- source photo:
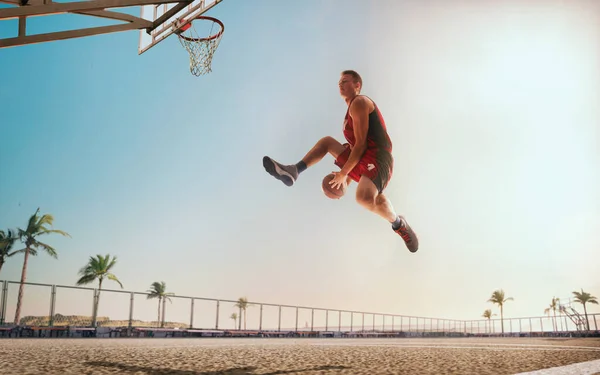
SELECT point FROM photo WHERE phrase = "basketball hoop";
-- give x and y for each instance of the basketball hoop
(201, 50)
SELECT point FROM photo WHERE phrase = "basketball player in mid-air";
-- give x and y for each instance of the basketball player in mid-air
(366, 157)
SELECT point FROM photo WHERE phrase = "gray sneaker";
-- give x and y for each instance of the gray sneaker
(408, 235)
(284, 173)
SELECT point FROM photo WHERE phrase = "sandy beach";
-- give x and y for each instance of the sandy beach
(183, 356)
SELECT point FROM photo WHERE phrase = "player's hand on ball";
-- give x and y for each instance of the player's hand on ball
(339, 180)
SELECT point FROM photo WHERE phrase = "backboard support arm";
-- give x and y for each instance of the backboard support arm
(94, 8)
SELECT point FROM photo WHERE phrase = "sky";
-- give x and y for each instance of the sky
(493, 113)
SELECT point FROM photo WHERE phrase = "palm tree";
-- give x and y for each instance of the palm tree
(98, 268)
(7, 240)
(159, 290)
(553, 307)
(488, 315)
(36, 226)
(234, 317)
(242, 304)
(499, 299)
(584, 298)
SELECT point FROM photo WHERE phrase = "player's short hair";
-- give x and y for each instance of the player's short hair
(355, 76)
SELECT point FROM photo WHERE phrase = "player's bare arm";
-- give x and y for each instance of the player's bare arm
(359, 111)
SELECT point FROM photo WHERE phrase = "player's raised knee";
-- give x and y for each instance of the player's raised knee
(328, 140)
(365, 197)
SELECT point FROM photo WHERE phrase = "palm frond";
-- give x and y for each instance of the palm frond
(49, 249)
(32, 222)
(45, 219)
(18, 251)
(112, 263)
(49, 231)
(112, 277)
(86, 279)
(7, 240)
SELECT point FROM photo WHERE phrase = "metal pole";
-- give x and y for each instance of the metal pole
(192, 314)
(3, 294)
(373, 322)
(340, 321)
(326, 320)
(383, 324)
(279, 324)
(312, 320)
(296, 319)
(217, 321)
(393, 323)
(363, 321)
(260, 318)
(52, 305)
(131, 298)
(351, 322)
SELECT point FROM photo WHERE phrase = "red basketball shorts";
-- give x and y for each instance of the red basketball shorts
(376, 169)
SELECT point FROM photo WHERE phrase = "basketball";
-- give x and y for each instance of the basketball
(331, 192)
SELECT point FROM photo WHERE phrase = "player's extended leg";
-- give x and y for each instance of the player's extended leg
(368, 196)
(288, 174)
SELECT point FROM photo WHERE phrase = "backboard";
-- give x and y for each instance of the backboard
(167, 15)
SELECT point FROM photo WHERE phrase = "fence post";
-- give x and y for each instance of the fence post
(217, 321)
(192, 315)
(52, 305)
(279, 324)
(131, 298)
(3, 293)
(520, 329)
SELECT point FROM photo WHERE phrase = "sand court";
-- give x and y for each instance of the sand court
(304, 356)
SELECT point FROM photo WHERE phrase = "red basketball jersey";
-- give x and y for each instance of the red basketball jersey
(378, 139)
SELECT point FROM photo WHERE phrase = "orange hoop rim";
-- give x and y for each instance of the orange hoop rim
(209, 38)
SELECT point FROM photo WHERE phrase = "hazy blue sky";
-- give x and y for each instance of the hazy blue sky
(492, 109)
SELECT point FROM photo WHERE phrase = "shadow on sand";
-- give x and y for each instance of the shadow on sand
(232, 371)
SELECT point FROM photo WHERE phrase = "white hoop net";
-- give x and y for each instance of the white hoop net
(201, 49)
